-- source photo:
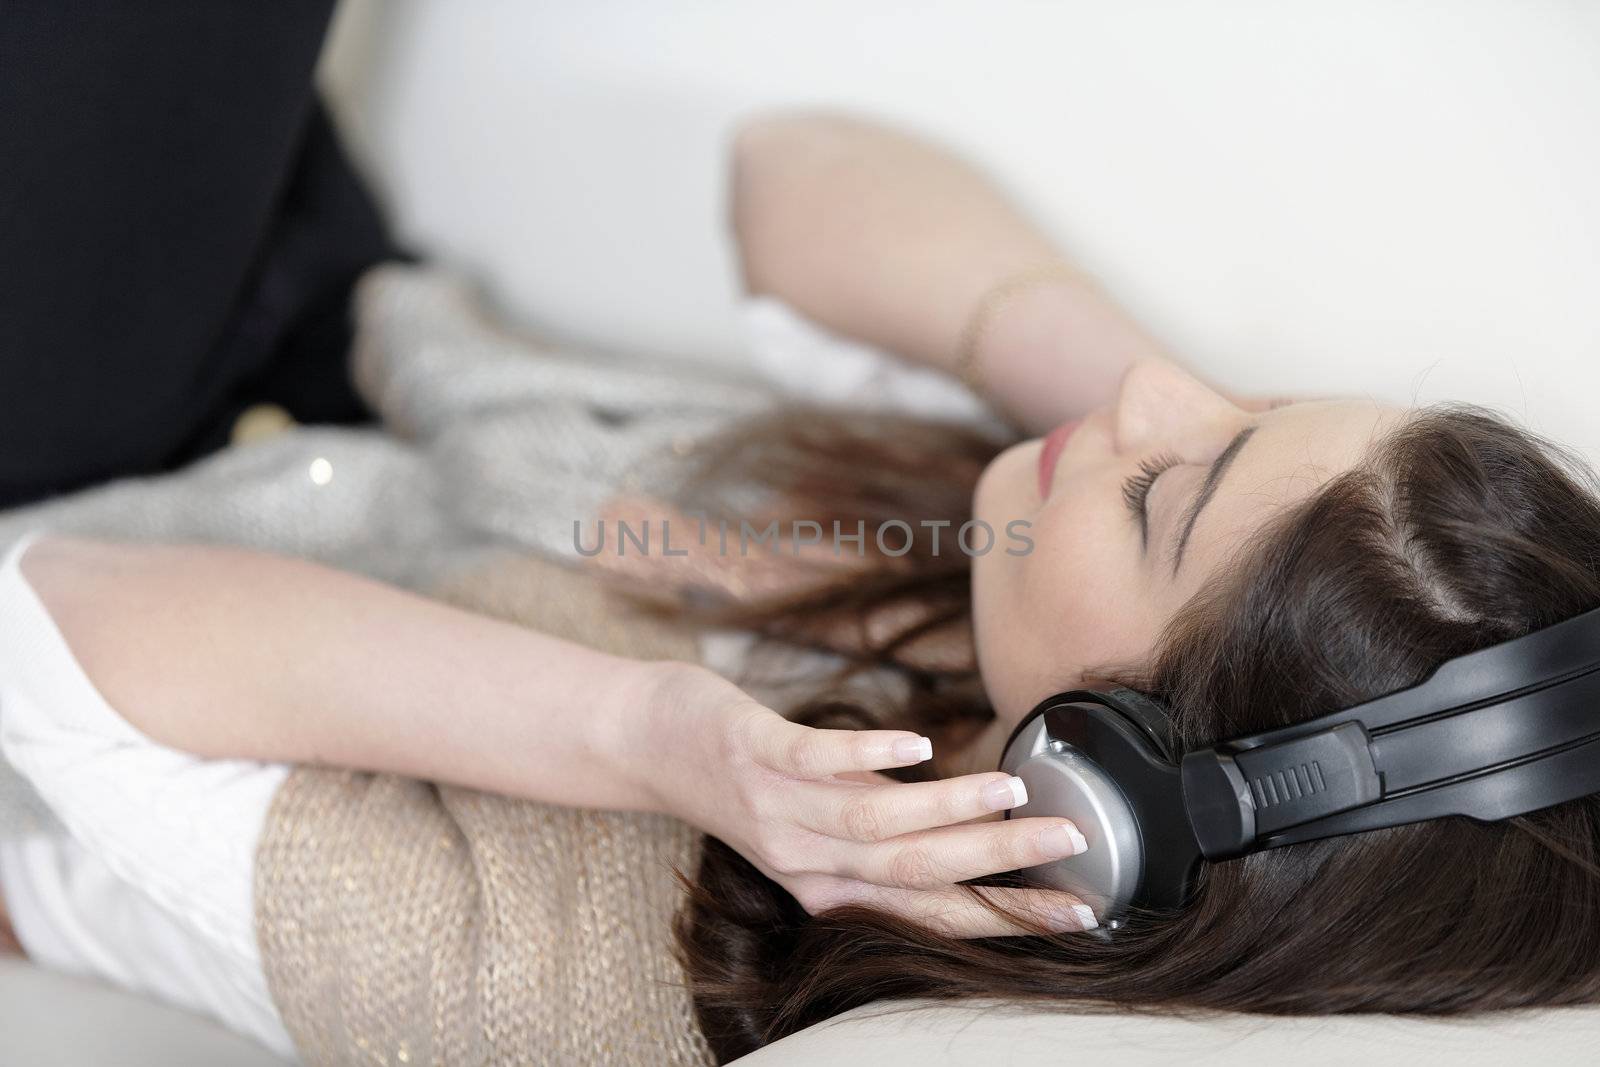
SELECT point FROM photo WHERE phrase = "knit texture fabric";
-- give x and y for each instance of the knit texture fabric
(406, 923)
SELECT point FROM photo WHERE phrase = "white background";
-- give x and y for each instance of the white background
(1389, 197)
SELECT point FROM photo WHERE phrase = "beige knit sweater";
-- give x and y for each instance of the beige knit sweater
(406, 923)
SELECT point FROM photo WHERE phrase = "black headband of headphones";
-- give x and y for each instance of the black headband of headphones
(1495, 733)
(1489, 735)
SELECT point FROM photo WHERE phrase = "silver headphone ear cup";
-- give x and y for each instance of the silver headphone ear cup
(1062, 781)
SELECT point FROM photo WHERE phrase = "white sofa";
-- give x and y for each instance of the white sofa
(48, 1020)
(51, 1020)
(1402, 199)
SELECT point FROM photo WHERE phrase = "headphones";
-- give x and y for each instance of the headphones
(1499, 732)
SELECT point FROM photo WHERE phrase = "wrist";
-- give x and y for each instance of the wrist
(997, 304)
(1056, 348)
(646, 702)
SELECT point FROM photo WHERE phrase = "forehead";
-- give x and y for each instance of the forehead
(1293, 452)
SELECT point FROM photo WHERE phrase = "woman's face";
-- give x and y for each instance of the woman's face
(1132, 509)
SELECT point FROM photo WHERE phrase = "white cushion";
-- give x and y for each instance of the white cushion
(53, 1020)
(957, 1037)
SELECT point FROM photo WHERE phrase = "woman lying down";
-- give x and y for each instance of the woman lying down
(359, 824)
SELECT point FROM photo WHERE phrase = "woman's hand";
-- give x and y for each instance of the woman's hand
(808, 809)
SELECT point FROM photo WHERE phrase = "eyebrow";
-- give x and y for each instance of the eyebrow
(1208, 489)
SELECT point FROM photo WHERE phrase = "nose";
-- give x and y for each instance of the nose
(1160, 405)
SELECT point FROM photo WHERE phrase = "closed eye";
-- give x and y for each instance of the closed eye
(1136, 490)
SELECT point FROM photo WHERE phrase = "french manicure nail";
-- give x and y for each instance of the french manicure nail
(1084, 918)
(1005, 793)
(913, 750)
(1061, 841)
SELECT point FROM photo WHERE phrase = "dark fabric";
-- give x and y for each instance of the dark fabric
(179, 232)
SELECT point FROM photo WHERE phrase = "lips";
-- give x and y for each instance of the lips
(1054, 442)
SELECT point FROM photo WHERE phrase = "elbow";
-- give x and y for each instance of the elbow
(756, 160)
(780, 167)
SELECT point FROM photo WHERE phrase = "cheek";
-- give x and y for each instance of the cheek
(1078, 602)
(1088, 585)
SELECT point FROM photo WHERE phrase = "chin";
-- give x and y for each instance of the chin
(1009, 486)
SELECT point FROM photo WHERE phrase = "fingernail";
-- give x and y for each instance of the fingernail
(1080, 917)
(1005, 793)
(1062, 840)
(913, 750)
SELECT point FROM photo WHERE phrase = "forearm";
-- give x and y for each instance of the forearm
(234, 654)
(881, 236)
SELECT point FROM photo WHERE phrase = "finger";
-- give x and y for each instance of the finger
(805, 752)
(890, 810)
(956, 912)
(932, 859)
(860, 778)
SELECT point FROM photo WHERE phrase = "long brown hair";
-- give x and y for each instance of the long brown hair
(1456, 532)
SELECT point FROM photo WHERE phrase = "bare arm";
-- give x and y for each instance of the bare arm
(229, 653)
(884, 237)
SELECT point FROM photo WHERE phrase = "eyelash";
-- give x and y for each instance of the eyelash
(1136, 490)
